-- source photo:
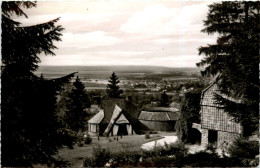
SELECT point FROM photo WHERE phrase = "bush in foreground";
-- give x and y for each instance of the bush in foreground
(166, 150)
(88, 139)
(129, 158)
(244, 153)
(100, 157)
(171, 155)
(147, 135)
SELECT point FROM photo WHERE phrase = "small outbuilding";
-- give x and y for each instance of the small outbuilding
(94, 122)
(159, 118)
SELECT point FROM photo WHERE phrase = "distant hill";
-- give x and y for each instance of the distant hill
(154, 69)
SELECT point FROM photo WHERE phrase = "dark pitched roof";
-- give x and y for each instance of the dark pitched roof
(158, 116)
(208, 96)
(128, 109)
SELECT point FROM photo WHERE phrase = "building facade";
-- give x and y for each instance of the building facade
(217, 127)
(159, 118)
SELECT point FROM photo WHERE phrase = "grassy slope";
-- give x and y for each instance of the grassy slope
(75, 155)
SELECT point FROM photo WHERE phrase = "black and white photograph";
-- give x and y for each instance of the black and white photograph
(128, 83)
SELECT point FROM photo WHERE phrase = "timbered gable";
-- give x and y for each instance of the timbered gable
(214, 118)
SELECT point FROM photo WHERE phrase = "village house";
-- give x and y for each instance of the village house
(159, 118)
(217, 127)
(171, 93)
(116, 117)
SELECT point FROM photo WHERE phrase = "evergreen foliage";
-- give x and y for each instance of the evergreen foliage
(164, 102)
(62, 99)
(243, 153)
(113, 90)
(76, 104)
(31, 133)
(235, 58)
(190, 107)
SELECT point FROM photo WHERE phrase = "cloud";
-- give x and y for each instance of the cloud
(183, 40)
(170, 61)
(177, 61)
(149, 20)
(165, 33)
(163, 41)
(73, 22)
(160, 20)
(120, 53)
(87, 40)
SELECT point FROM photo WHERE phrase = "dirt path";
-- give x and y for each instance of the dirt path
(161, 142)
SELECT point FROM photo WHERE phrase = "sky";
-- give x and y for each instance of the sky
(158, 33)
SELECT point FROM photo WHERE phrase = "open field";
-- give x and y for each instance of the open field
(123, 72)
(96, 77)
(131, 142)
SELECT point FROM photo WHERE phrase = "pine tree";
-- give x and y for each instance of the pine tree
(30, 131)
(75, 106)
(113, 90)
(63, 98)
(235, 58)
(164, 102)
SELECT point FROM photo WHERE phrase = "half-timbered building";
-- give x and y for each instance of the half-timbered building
(217, 127)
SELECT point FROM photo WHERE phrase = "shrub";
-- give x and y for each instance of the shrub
(157, 161)
(80, 139)
(211, 148)
(88, 140)
(202, 159)
(87, 162)
(80, 143)
(166, 150)
(169, 155)
(101, 156)
(152, 132)
(129, 158)
(244, 152)
(147, 135)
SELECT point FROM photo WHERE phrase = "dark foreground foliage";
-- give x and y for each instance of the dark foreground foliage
(244, 153)
(75, 104)
(31, 132)
(174, 155)
(100, 157)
